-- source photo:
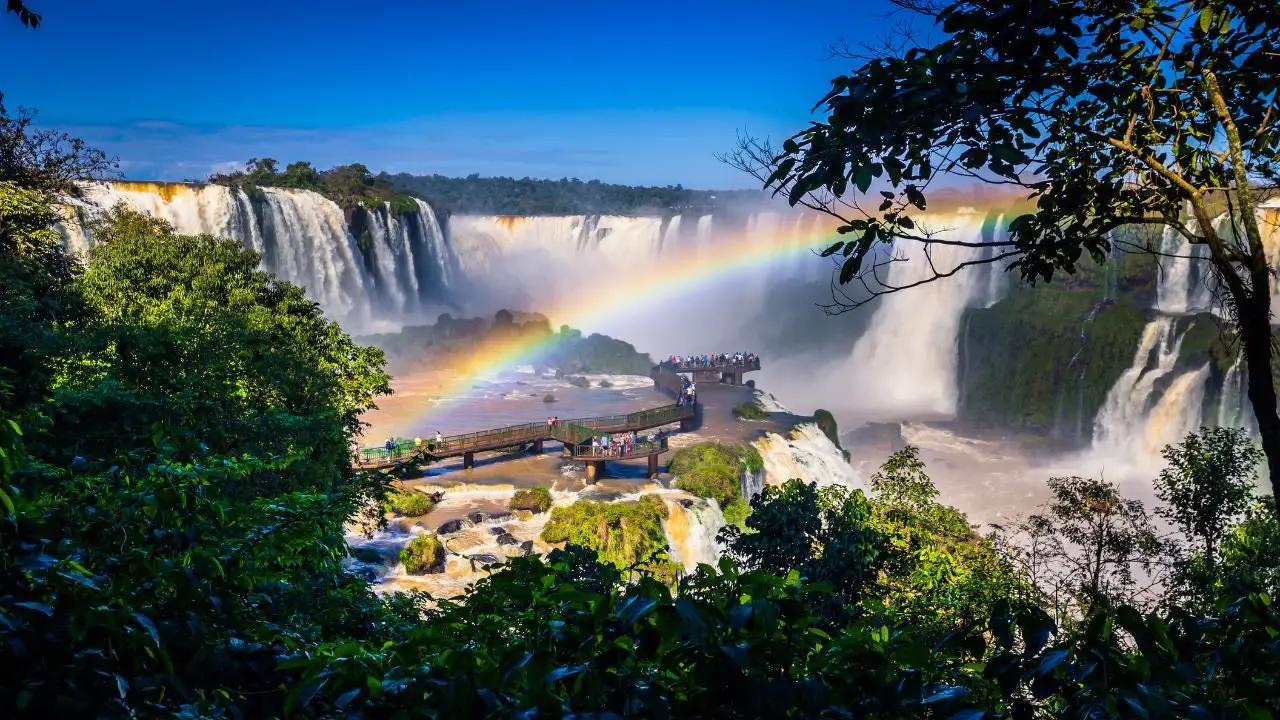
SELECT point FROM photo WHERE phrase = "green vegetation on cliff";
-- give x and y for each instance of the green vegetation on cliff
(714, 470)
(451, 339)
(408, 503)
(1043, 359)
(624, 534)
(350, 186)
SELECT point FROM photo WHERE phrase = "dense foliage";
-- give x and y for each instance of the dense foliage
(535, 499)
(625, 534)
(1110, 115)
(175, 492)
(350, 186)
(526, 196)
(714, 470)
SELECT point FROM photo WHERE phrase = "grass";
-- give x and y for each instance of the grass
(712, 470)
(624, 534)
(749, 411)
(537, 499)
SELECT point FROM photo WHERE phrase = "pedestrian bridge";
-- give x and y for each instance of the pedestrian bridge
(574, 435)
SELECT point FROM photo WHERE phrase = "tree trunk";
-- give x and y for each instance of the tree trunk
(1255, 333)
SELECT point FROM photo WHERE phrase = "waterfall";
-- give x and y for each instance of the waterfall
(752, 483)
(1232, 409)
(808, 454)
(405, 267)
(1184, 279)
(1132, 418)
(907, 359)
(691, 527)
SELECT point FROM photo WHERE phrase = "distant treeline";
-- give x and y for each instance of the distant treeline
(354, 185)
(568, 196)
(349, 186)
(567, 350)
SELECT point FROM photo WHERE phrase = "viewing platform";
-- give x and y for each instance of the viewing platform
(727, 371)
(567, 432)
(596, 457)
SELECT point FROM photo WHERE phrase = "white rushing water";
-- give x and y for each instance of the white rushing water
(691, 527)
(403, 271)
(808, 454)
(1184, 284)
(905, 364)
(1134, 417)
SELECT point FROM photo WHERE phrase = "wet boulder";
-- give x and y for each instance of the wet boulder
(453, 526)
(480, 560)
(526, 547)
(477, 517)
(506, 539)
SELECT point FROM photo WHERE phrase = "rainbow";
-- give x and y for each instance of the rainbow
(678, 272)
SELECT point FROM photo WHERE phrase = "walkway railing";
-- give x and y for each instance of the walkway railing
(754, 364)
(638, 449)
(571, 432)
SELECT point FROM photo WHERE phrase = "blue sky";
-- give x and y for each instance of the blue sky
(642, 93)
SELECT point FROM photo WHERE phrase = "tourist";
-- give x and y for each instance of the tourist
(439, 439)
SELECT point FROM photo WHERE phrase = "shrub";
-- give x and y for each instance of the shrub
(549, 398)
(408, 503)
(422, 555)
(712, 470)
(624, 534)
(536, 499)
(749, 411)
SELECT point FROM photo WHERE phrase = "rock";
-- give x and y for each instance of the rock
(499, 516)
(525, 515)
(479, 560)
(685, 503)
(477, 517)
(497, 530)
(436, 569)
(452, 526)
(526, 547)
(506, 539)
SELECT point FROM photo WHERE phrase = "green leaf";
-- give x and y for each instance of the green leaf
(1206, 19)
(41, 608)
(862, 178)
(302, 694)
(833, 249)
(149, 626)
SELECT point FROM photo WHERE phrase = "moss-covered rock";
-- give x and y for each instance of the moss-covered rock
(750, 411)
(408, 503)
(535, 500)
(424, 554)
(623, 534)
(713, 470)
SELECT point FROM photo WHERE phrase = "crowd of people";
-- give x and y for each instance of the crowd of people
(739, 359)
(622, 444)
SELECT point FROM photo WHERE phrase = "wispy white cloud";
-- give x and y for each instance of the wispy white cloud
(649, 148)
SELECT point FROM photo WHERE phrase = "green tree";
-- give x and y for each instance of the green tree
(46, 160)
(190, 346)
(1207, 485)
(1085, 549)
(826, 534)
(1159, 113)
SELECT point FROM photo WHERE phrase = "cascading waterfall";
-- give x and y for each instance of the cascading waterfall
(1184, 284)
(691, 527)
(1232, 408)
(911, 341)
(1133, 420)
(808, 454)
(405, 267)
